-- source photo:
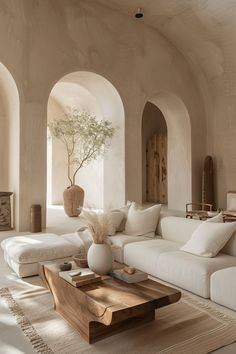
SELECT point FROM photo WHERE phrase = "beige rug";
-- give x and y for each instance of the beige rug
(185, 327)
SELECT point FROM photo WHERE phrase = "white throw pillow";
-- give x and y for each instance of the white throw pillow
(124, 210)
(142, 221)
(218, 218)
(116, 218)
(209, 238)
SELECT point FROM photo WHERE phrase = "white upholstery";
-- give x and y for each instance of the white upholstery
(177, 229)
(209, 238)
(36, 248)
(144, 255)
(223, 287)
(142, 221)
(24, 269)
(116, 218)
(74, 238)
(23, 253)
(191, 272)
(119, 241)
(230, 247)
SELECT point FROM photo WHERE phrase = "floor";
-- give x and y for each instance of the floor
(12, 341)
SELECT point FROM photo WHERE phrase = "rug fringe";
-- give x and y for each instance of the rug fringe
(29, 331)
(209, 308)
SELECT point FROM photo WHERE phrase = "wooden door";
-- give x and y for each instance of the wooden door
(156, 169)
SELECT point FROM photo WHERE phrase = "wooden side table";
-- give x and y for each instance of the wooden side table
(5, 211)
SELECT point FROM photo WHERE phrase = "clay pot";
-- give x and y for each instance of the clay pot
(100, 258)
(73, 198)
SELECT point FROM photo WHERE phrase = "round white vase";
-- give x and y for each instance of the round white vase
(100, 258)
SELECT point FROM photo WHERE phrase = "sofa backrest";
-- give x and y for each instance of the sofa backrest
(176, 229)
(179, 229)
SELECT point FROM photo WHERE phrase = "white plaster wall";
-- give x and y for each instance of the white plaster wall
(43, 41)
(9, 138)
(57, 181)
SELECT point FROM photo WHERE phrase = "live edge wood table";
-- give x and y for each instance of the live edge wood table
(110, 306)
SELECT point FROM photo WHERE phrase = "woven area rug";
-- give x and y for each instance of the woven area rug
(185, 327)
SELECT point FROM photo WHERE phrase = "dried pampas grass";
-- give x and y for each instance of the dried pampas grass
(99, 225)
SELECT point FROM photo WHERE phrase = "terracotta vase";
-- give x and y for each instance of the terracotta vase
(100, 258)
(73, 198)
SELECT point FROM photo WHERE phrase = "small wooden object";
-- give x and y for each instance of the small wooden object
(35, 218)
(110, 306)
(208, 182)
(81, 262)
(5, 211)
(129, 270)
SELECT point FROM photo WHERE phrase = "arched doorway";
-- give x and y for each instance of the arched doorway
(154, 142)
(9, 138)
(103, 180)
(179, 167)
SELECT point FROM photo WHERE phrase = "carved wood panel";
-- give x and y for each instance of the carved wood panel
(156, 169)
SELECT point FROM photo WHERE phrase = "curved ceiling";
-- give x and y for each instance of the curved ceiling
(203, 30)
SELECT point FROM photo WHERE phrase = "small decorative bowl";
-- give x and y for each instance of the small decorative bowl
(65, 266)
(80, 262)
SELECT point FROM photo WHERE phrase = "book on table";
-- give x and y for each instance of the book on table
(80, 276)
(136, 277)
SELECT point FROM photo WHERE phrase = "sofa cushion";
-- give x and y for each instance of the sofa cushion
(119, 241)
(116, 219)
(144, 255)
(191, 272)
(230, 247)
(142, 221)
(223, 287)
(217, 218)
(177, 229)
(209, 238)
(36, 248)
(26, 269)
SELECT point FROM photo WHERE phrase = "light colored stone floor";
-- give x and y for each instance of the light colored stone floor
(12, 341)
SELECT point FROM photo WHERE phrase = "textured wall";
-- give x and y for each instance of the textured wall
(43, 40)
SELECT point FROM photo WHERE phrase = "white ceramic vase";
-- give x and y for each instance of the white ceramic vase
(100, 258)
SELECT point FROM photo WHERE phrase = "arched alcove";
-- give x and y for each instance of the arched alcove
(104, 179)
(154, 155)
(9, 138)
(179, 167)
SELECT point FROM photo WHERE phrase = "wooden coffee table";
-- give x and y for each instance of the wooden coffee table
(110, 306)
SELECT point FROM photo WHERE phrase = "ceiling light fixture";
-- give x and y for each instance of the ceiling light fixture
(139, 13)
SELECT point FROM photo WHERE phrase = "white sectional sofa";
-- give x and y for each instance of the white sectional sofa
(159, 256)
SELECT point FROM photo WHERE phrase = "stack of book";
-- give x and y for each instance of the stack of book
(80, 276)
(136, 277)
